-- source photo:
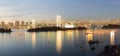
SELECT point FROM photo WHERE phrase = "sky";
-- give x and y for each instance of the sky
(68, 9)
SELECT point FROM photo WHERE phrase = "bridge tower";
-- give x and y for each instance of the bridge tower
(58, 21)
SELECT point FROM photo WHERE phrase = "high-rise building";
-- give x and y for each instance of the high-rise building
(22, 23)
(2, 23)
(17, 23)
(10, 24)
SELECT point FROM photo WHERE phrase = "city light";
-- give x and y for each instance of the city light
(69, 26)
(59, 42)
(59, 27)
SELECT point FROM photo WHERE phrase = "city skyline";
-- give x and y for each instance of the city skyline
(68, 9)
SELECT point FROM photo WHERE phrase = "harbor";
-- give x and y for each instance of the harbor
(60, 28)
(65, 43)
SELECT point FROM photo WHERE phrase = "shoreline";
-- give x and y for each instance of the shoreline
(54, 29)
(5, 30)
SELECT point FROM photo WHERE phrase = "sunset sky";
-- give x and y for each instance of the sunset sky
(69, 9)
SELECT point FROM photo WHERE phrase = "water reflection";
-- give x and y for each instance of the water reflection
(59, 42)
(112, 35)
(89, 35)
(48, 37)
(70, 35)
(19, 33)
(33, 39)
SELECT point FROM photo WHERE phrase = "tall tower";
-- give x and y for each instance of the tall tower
(58, 21)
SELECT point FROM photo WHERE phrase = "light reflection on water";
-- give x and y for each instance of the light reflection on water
(33, 40)
(59, 43)
(112, 36)
(89, 37)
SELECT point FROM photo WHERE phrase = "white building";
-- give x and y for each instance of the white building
(69, 26)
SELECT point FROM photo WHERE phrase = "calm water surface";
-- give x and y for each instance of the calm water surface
(59, 43)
